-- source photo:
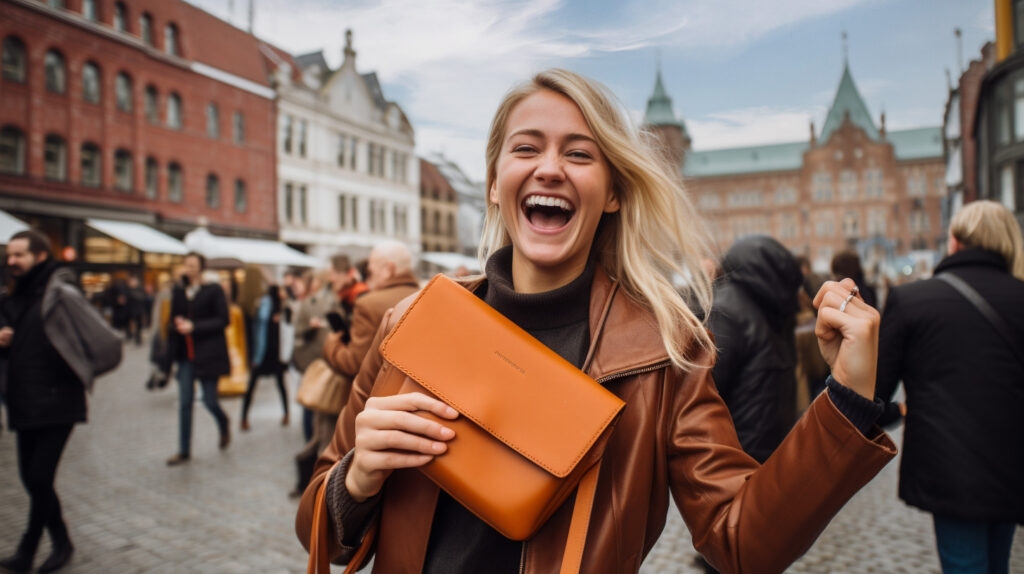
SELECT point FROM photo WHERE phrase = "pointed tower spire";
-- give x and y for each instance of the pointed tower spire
(848, 103)
(846, 51)
(660, 119)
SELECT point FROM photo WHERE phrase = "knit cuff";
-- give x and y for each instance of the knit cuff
(349, 518)
(859, 410)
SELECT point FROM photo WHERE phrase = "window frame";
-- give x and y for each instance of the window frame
(146, 29)
(151, 104)
(61, 172)
(151, 182)
(124, 171)
(213, 191)
(175, 120)
(213, 121)
(92, 174)
(241, 198)
(238, 128)
(119, 19)
(175, 182)
(57, 83)
(172, 39)
(14, 68)
(17, 145)
(124, 92)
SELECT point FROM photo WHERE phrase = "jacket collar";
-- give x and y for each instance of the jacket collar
(972, 257)
(406, 278)
(624, 336)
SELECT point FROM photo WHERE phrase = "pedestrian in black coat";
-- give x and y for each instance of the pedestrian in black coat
(44, 398)
(963, 447)
(753, 321)
(199, 316)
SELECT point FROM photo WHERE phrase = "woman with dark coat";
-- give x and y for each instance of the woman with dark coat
(266, 356)
(963, 447)
(753, 320)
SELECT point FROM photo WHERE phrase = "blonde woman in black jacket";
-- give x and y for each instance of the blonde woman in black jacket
(963, 448)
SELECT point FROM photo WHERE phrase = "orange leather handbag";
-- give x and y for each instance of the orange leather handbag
(532, 427)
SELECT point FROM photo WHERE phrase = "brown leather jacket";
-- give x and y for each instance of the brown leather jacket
(674, 437)
(366, 317)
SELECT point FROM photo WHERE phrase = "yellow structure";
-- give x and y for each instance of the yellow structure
(235, 383)
(1004, 29)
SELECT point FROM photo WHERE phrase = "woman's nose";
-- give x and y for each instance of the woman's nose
(549, 168)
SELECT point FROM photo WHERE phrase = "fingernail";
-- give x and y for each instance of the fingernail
(451, 412)
(447, 432)
(438, 447)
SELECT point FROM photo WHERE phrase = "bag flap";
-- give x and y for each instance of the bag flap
(497, 375)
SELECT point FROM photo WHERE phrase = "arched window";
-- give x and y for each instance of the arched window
(241, 197)
(12, 150)
(451, 224)
(123, 87)
(212, 121)
(89, 10)
(152, 175)
(120, 17)
(175, 182)
(151, 105)
(123, 172)
(212, 191)
(171, 39)
(238, 128)
(55, 158)
(174, 111)
(92, 165)
(146, 29)
(14, 60)
(437, 222)
(56, 80)
(91, 82)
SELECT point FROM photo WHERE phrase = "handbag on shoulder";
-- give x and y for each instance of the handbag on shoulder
(322, 389)
(532, 427)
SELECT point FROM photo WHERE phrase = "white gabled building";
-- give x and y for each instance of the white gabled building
(348, 176)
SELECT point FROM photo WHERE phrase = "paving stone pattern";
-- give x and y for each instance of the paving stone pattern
(228, 512)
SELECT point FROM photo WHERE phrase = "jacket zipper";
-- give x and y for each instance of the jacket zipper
(630, 372)
(522, 559)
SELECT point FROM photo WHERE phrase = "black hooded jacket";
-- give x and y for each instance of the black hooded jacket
(42, 390)
(752, 320)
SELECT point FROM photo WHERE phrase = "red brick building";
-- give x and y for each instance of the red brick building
(146, 111)
(854, 185)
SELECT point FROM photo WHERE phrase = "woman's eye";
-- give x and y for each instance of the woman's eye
(580, 155)
(523, 148)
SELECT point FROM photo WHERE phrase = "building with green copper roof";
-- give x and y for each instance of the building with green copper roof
(851, 185)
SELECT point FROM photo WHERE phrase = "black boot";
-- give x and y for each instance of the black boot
(58, 558)
(21, 561)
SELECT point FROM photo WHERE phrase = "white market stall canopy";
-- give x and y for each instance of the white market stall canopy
(255, 251)
(142, 237)
(450, 261)
(9, 225)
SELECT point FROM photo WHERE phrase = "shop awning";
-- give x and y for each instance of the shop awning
(9, 225)
(255, 251)
(139, 236)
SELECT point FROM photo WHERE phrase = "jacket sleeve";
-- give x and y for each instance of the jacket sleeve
(346, 358)
(750, 518)
(218, 320)
(342, 442)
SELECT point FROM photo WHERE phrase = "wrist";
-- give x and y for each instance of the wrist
(357, 491)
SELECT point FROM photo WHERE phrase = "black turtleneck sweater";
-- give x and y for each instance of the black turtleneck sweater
(459, 541)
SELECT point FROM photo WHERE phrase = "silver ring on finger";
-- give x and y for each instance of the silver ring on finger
(842, 308)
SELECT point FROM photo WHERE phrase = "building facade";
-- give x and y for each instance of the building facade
(348, 176)
(438, 211)
(999, 125)
(144, 111)
(854, 185)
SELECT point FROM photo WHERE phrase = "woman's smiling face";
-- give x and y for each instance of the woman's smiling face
(552, 186)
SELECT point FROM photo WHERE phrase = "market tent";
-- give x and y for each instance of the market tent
(9, 225)
(140, 236)
(255, 251)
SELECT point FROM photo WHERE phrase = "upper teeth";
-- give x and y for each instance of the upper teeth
(535, 200)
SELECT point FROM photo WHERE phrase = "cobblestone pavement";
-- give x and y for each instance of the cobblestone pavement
(228, 512)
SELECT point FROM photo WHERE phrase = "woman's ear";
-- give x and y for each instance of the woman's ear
(611, 205)
(492, 194)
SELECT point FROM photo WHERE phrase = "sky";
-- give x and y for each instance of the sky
(740, 72)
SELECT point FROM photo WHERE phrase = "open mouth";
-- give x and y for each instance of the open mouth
(547, 212)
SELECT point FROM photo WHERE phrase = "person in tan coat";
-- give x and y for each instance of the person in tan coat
(391, 280)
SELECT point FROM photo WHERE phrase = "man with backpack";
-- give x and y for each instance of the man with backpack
(55, 343)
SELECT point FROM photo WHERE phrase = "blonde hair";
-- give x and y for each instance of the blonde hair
(654, 238)
(989, 225)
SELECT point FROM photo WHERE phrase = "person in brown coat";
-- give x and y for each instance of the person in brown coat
(585, 230)
(391, 280)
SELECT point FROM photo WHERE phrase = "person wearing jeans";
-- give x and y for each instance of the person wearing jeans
(186, 394)
(969, 546)
(199, 316)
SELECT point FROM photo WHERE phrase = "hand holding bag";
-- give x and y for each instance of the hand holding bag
(532, 427)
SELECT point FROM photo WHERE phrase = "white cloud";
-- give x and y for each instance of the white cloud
(753, 126)
(455, 59)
